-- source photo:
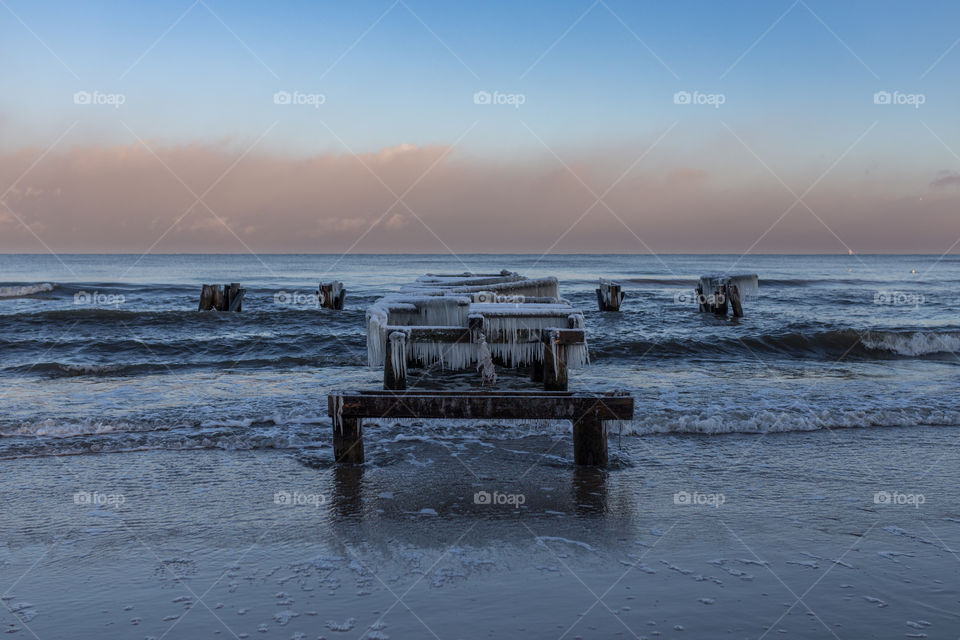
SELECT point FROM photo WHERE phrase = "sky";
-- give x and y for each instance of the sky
(530, 127)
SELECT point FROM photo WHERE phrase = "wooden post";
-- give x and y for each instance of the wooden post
(733, 292)
(589, 440)
(395, 362)
(701, 299)
(719, 305)
(206, 297)
(348, 440)
(609, 296)
(554, 362)
(332, 295)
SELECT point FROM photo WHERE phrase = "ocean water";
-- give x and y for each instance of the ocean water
(108, 353)
(168, 474)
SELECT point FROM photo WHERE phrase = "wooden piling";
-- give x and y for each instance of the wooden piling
(733, 293)
(719, 305)
(609, 295)
(348, 440)
(332, 295)
(589, 440)
(206, 297)
(395, 362)
(554, 361)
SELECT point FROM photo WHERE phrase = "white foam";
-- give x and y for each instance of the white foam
(25, 290)
(912, 344)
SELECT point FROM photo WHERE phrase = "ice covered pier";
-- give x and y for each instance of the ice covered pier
(715, 291)
(478, 321)
(481, 321)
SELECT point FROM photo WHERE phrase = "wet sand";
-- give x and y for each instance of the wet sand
(737, 536)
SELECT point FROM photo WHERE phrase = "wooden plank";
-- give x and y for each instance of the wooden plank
(515, 406)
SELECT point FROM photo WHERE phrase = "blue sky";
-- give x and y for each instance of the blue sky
(597, 81)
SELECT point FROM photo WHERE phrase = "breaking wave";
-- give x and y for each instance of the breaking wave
(849, 343)
(24, 291)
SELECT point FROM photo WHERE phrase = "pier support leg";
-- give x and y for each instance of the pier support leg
(554, 366)
(609, 296)
(589, 441)
(395, 362)
(719, 305)
(348, 440)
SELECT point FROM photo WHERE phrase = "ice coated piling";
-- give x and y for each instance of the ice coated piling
(331, 295)
(715, 291)
(609, 295)
(229, 297)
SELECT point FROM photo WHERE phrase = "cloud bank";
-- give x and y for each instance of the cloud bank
(134, 199)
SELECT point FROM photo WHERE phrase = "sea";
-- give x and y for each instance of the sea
(167, 473)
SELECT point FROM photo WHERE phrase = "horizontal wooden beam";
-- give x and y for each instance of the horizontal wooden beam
(482, 405)
(462, 334)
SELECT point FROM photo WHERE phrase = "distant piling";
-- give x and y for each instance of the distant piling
(228, 297)
(332, 295)
(609, 295)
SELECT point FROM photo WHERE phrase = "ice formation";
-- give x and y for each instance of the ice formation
(747, 284)
(506, 309)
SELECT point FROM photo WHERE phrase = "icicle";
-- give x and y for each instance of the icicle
(488, 374)
(398, 353)
(337, 414)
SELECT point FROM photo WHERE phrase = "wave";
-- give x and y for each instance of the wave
(23, 291)
(848, 343)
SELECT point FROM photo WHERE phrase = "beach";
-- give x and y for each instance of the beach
(169, 473)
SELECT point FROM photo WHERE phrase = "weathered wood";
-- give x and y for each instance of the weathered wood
(733, 293)
(508, 405)
(395, 368)
(217, 298)
(206, 297)
(719, 305)
(332, 295)
(555, 359)
(609, 296)
(536, 372)
(236, 299)
(348, 441)
(589, 440)
(587, 411)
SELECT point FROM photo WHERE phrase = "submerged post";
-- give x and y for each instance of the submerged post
(733, 293)
(395, 362)
(589, 440)
(554, 361)
(347, 433)
(609, 295)
(332, 295)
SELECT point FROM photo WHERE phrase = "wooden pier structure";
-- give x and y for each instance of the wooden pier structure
(229, 297)
(481, 321)
(587, 411)
(609, 295)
